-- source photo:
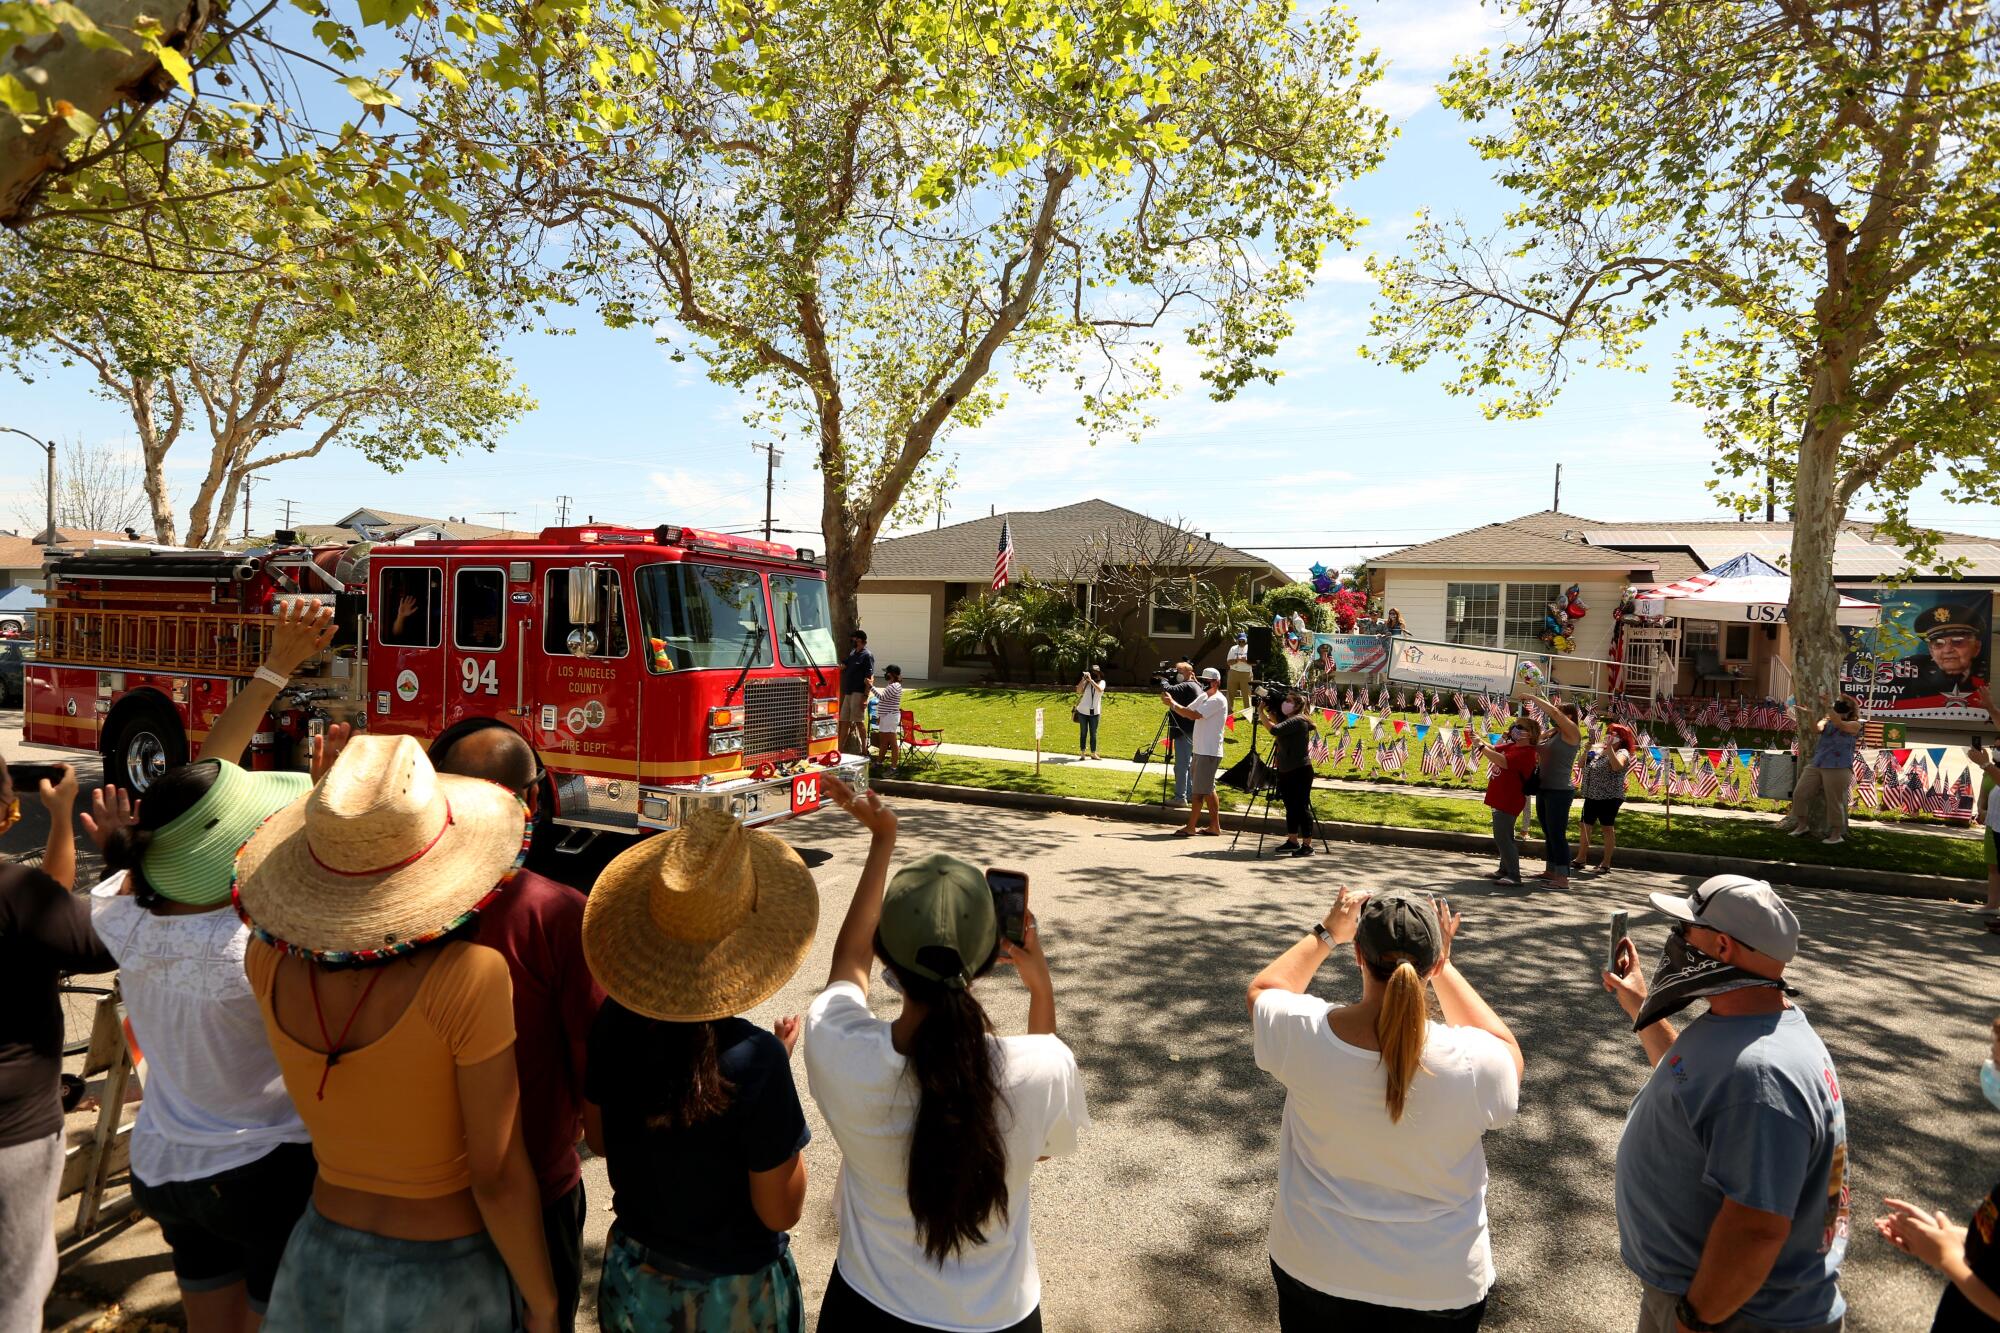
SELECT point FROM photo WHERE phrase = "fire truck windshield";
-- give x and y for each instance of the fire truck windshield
(703, 616)
(805, 629)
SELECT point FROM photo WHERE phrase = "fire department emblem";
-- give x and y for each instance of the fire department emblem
(593, 714)
(406, 686)
(575, 720)
(69, 707)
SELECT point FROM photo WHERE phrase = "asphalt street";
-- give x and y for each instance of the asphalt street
(1158, 1221)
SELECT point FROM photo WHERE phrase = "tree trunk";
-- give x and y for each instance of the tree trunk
(154, 451)
(1818, 647)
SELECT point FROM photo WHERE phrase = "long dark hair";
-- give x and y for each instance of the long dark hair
(680, 1074)
(958, 1155)
(172, 796)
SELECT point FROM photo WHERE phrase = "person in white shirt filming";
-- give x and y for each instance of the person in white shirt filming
(1209, 712)
(1380, 1221)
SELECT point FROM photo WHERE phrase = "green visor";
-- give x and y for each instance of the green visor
(193, 859)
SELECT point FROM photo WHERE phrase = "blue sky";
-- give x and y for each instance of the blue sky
(1339, 458)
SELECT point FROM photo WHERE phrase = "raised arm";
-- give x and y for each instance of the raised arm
(303, 629)
(1459, 1002)
(854, 947)
(1628, 987)
(1570, 732)
(1294, 968)
(59, 799)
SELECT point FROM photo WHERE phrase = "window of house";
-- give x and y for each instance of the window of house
(1700, 636)
(1737, 642)
(412, 610)
(479, 609)
(1472, 613)
(1527, 614)
(1165, 620)
(610, 611)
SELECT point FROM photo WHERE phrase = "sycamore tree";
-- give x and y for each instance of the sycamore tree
(878, 219)
(252, 371)
(1810, 189)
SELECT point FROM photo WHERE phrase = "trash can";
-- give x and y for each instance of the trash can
(1777, 774)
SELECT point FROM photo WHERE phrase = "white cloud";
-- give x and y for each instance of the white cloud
(1419, 39)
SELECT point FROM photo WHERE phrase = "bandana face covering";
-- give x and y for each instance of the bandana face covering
(1686, 974)
(1989, 1083)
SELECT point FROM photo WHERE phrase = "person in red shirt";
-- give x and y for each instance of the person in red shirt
(537, 926)
(1509, 765)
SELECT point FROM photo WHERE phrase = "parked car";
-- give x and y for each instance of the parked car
(17, 611)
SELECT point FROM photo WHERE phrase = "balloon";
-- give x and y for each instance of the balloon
(1318, 570)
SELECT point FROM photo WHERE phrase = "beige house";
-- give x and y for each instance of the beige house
(914, 581)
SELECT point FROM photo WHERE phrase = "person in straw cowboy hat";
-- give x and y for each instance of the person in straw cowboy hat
(692, 1107)
(395, 1036)
(939, 1121)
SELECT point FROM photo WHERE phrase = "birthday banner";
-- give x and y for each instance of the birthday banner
(1353, 652)
(1454, 666)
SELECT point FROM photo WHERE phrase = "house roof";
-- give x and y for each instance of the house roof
(1533, 542)
(19, 552)
(1045, 542)
(394, 525)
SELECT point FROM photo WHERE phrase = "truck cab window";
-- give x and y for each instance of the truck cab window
(479, 608)
(411, 613)
(805, 625)
(556, 624)
(703, 616)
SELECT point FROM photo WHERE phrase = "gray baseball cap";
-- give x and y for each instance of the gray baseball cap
(1742, 908)
(1400, 921)
(1210, 673)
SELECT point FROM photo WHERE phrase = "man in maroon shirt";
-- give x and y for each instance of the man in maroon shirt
(537, 926)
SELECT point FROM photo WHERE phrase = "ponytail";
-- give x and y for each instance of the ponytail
(1401, 1026)
(958, 1156)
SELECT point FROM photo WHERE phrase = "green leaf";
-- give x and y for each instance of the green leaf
(176, 66)
(16, 97)
(368, 92)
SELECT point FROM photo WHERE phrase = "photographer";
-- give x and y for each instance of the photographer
(1380, 1221)
(1829, 776)
(1291, 738)
(1208, 716)
(1180, 728)
(1090, 690)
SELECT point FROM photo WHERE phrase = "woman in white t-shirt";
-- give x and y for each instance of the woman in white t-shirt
(940, 1123)
(1381, 1215)
(1090, 691)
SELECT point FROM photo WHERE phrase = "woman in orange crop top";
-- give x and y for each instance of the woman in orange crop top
(395, 1037)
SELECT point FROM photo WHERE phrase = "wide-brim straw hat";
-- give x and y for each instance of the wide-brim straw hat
(382, 857)
(700, 923)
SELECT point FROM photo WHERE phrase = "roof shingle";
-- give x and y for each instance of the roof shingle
(1043, 540)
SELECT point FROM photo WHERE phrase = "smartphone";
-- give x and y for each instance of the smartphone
(1010, 902)
(1612, 963)
(28, 777)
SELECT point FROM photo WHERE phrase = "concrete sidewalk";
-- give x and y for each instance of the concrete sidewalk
(1474, 794)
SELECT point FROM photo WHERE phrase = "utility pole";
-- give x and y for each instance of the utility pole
(503, 515)
(1770, 451)
(48, 447)
(562, 511)
(771, 456)
(248, 481)
(288, 510)
(1557, 503)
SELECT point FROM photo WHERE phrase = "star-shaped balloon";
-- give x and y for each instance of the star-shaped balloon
(1317, 570)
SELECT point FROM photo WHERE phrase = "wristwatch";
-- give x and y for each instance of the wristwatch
(1694, 1322)
(1321, 934)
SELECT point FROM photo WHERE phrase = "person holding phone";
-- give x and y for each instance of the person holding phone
(1829, 777)
(1380, 1221)
(1555, 785)
(1604, 772)
(1291, 740)
(939, 1121)
(1091, 688)
(1509, 765)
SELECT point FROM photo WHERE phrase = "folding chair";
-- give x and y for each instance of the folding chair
(921, 741)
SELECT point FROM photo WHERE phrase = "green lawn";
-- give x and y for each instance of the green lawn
(1876, 849)
(1005, 718)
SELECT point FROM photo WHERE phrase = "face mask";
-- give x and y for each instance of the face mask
(1289, 708)
(1989, 1083)
(1685, 974)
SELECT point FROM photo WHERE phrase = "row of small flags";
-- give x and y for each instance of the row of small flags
(1720, 714)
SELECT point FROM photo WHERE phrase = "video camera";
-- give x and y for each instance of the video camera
(1164, 675)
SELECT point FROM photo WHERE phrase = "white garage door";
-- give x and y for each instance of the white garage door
(899, 630)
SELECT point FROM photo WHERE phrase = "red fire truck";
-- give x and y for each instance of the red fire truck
(654, 671)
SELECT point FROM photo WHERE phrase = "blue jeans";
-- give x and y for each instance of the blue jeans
(1086, 733)
(334, 1279)
(1183, 766)
(1552, 813)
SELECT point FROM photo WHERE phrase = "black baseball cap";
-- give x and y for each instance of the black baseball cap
(1401, 921)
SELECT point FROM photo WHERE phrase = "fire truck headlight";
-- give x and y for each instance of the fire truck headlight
(725, 742)
(825, 728)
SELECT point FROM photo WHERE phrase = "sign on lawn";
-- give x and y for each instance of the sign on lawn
(1452, 665)
(1038, 723)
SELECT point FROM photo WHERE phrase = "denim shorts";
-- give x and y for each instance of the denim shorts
(335, 1278)
(642, 1291)
(232, 1226)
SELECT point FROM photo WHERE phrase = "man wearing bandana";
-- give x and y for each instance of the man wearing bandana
(1732, 1183)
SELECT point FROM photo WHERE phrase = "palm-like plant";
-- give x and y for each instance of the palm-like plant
(983, 624)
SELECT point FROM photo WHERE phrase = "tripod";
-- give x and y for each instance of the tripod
(1145, 757)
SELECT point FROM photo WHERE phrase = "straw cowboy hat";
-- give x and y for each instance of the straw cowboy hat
(382, 857)
(700, 923)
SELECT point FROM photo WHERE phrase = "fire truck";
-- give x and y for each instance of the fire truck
(654, 671)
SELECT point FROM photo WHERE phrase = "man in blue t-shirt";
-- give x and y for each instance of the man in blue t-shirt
(1732, 1178)
(857, 678)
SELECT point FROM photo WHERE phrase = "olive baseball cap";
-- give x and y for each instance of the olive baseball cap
(938, 920)
(1400, 921)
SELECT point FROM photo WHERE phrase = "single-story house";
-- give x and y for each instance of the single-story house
(914, 582)
(382, 525)
(22, 558)
(1489, 585)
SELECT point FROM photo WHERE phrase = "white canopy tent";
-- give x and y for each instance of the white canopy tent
(1742, 590)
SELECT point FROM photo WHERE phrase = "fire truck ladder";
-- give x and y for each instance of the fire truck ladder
(216, 643)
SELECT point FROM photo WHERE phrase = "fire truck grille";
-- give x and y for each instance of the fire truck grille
(774, 717)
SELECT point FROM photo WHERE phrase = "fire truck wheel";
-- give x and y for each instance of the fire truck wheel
(143, 741)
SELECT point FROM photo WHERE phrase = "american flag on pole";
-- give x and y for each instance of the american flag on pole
(1703, 782)
(1003, 560)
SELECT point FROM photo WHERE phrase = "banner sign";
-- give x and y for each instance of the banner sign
(1452, 665)
(1358, 653)
(1931, 651)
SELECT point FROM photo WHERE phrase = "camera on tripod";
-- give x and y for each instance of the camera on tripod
(1164, 675)
(1269, 694)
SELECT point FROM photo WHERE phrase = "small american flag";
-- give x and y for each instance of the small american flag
(1704, 783)
(1003, 560)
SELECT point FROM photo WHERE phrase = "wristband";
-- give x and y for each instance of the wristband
(1684, 1311)
(270, 677)
(1322, 934)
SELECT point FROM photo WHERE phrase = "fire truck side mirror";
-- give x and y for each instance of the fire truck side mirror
(582, 597)
(582, 643)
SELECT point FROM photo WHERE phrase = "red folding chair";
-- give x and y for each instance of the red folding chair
(921, 741)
